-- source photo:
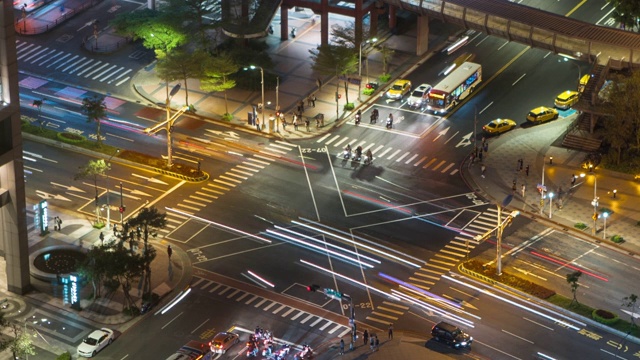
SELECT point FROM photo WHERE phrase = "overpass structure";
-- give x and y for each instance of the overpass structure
(514, 22)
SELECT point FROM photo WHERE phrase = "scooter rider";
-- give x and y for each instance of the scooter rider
(390, 121)
(374, 115)
(369, 155)
(359, 152)
(358, 116)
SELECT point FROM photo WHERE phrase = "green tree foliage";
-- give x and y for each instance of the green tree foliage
(387, 53)
(335, 60)
(627, 12)
(94, 268)
(161, 32)
(22, 345)
(147, 223)
(95, 109)
(217, 70)
(181, 64)
(572, 279)
(93, 170)
(196, 11)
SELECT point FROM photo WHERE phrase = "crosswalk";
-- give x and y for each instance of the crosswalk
(217, 187)
(389, 154)
(455, 251)
(286, 312)
(71, 64)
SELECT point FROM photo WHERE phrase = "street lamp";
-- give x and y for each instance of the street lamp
(550, 205)
(605, 215)
(277, 102)
(108, 190)
(594, 202)
(253, 67)
(174, 91)
(542, 190)
(579, 70)
(372, 40)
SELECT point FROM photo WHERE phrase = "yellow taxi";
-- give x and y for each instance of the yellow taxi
(583, 82)
(498, 126)
(542, 114)
(399, 89)
(566, 99)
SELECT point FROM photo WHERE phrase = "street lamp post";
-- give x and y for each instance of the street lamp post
(579, 70)
(277, 102)
(605, 215)
(550, 205)
(542, 191)
(121, 206)
(174, 91)
(253, 67)
(109, 190)
(373, 40)
(594, 202)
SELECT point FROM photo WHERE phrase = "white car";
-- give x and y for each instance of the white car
(419, 96)
(95, 342)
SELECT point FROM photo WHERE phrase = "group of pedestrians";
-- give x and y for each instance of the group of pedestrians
(296, 116)
(371, 339)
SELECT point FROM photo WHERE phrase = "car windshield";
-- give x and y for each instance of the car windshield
(396, 87)
(418, 93)
(90, 341)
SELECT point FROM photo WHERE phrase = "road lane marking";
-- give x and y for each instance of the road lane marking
(341, 141)
(233, 294)
(394, 154)
(391, 310)
(411, 159)
(420, 161)
(225, 290)
(215, 288)
(315, 322)
(323, 138)
(384, 315)
(298, 315)
(247, 168)
(195, 203)
(188, 207)
(286, 313)
(447, 168)
(224, 183)
(335, 329)
(440, 164)
(251, 160)
(429, 163)
(273, 303)
(396, 305)
(402, 157)
(170, 321)
(251, 300)
(243, 296)
(260, 303)
(306, 319)
(385, 322)
(326, 325)
(332, 140)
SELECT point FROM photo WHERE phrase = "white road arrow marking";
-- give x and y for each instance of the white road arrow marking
(635, 315)
(150, 179)
(69, 188)
(138, 192)
(90, 23)
(466, 140)
(443, 132)
(46, 195)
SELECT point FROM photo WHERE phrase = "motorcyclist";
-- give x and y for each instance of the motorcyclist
(375, 115)
(348, 148)
(359, 151)
(358, 116)
(369, 155)
(390, 121)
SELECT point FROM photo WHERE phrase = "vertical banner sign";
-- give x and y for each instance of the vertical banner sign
(36, 217)
(43, 216)
(75, 289)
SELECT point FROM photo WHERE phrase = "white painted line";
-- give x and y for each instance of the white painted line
(306, 319)
(251, 300)
(394, 154)
(290, 145)
(260, 303)
(242, 172)
(447, 168)
(298, 315)
(256, 160)
(403, 156)
(194, 203)
(243, 296)
(323, 138)
(224, 183)
(429, 163)
(203, 194)
(270, 159)
(385, 322)
(225, 290)
(315, 322)
(332, 140)
(341, 141)
(230, 179)
(335, 329)
(396, 305)
(440, 164)
(246, 168)
(218, 187)
(197, 282)
(188, 207)
(345, 332)
(385, 152)
(270, 306)
(236, 175)
(326, 325)
(377, 149)
(454, 172)
(278, 309)
(390, 310)
(286, 313)
(215, 288)
(233, 294)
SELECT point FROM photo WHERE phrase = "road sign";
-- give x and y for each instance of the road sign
(595, 216)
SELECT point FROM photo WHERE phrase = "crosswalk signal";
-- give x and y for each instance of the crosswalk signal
(313, 288)
(122, 209)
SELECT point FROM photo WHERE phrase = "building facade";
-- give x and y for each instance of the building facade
(14, 245)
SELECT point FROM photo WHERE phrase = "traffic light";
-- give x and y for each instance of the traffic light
(122, 209)
(313, 288)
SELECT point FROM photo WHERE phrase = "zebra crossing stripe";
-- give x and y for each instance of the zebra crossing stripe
(402, 157)
(454, 172)
(420, 161)
(315, 322)
(45, 55)
(298, 315)
(273, 303)
(420, 281)
(341, 141)
(55, 62)
(96, 70)
(242, 296)
(279, 309)
(391, 310)
(233, 294)
(429, 163)
(345, 332)
(377, 149)
(447, 168)
(197, 282)
(394, 154)
(188, 207)
(80, 67)
(251, 300)
(206, 285)
(260, 303)
(306, 319)
(225, 290)
(411, 158)
(325, 325)
(288, 312)
(440, 164)
(36, 54)
(70, 66)
(384, 315)
(102, 73)
(215, 288)
(332, 140)
(396, 305)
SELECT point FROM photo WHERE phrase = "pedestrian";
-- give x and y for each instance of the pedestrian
(257, 124)
(524, 188)
(521, 163)
(365, 336)
(295, 123)
(55, 223)
(341, 346)
(482, 170)
(372, 342)
(377, 343)
(283, 121)
(485, 146)
(573, 179)
(301, 107)
(526, 170)
(306, 123)
(313, 100)
(115, 229)
(476, 151)
(309, 101)
(59, 223)
(514, 186)
(317, 123)
(169, 251)
(480, 156)
(101, 238)
(471, 161)
(390, 331)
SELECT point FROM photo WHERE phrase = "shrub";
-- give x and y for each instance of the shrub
(227, 117)
(617, 239)
(604, 317)
(368, 92)
(509, 279)
(349, 106)
(384, 78)
(580, 226)
(64, 356)
(70, 138)
(131, 311)
(99, 224)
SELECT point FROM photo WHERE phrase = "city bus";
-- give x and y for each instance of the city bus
(454, 88)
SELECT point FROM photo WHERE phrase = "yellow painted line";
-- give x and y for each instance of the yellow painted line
(391, 310)
(445, 257)
(384, 315)
(396, 305)
(436, 278)
(224, 183)
(386, 322)
(218, 186)
(575, 8)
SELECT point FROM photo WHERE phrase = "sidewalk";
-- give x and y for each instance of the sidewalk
(50, 16)
(501, 162)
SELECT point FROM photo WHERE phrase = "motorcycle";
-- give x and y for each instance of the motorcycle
(282, 352)
(367, 160)
(346, 154)
(357, 155)
(357, 119)
(252, 349)
(306, 353)
(268, 348)
(389, 123)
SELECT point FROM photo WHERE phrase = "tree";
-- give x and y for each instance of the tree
(572, 279)
(161, 32)
(631, 302)
(183, 65)
(196, 10)
(216, 73)
(147, 222)
(335, 60)
(126, 268)
(95, 109)
(94, 268)
(387, 54)
(93, 170)
(627, 12)
(22, 345)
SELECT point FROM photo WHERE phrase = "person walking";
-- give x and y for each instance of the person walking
(283, 121)
(169, 251)
(309, 101)
(483, 168)
(526, 170)
(341, 346)
(480, 156)
(372, 342)
(306, 123)
(523, 189)
(365, 336)
(377, 345)
(390, 331)
(485, 146)
(295, 122)
(513, 188)
(313, 100)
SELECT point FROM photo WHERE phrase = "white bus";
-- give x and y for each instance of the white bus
(454, 88)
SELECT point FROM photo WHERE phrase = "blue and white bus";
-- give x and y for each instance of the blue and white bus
(454, 88)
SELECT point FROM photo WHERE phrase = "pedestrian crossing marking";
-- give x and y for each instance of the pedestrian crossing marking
(385, 152)
(325, 325)
(224, 183)
(445, 257)
(335, 329)
(236, 175)
(278, 309)
(242, 296)
(403, 156)
(269, 160)
(215, 288)
(340, 142)
(440, 164)
(188, 207)
(224, 290)
(421, 281)
(260, 303)
(390, 310)
(442, 262)
(332, 140)
(198, 282)
(218, 187)
(345, 332)
(286, 313)
(411, 158)
(394, 154)
(396, 305)
(306, 319)
(194, 203)
(251, 300)
(298, 315)
(437, 267)
(447, 168)
(233, 294)
(377, 149)
(385, 322)
(315, 322)
(429, 163)
(273, 303)
(247, 168)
